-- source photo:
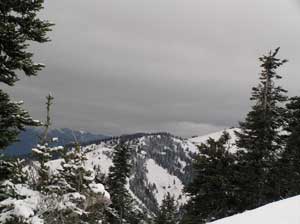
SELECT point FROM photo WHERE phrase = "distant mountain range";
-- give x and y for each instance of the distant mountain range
(30, 137)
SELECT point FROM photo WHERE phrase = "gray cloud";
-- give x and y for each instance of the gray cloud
(181, 66)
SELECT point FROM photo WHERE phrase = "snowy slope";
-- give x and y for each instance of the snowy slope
(281, 212)
(231, 131)
(160, 164)
(164, 182)
(100, 155)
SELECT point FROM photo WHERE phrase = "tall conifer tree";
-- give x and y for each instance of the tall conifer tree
(19, 25)
(289, 164)
(118, 176)
(260, 136)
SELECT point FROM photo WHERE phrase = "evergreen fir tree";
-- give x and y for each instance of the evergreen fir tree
(70, 194)
(19, 24)
(19, 176)
(15, 185)
(74, 171)
(119, 173)
(168, 211)
(260, 136)
(212, 191)
(16, 195)
(13, 119)
(289, 164)
(78, 198)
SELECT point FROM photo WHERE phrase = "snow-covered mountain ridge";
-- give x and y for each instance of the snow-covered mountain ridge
(161, 164)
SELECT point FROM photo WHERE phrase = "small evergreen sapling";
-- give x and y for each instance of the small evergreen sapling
(167, 213)
(43, 152)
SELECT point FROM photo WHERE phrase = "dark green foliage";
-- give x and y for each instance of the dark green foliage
(212, 191)
(168, 211)
(260, 137)
(98, 213)
(122, 202)
(260, 131)
(12, 171)
(15, 175)
(12, 120)
(289, 164)
(16, 221)
(4, 169)
(19, 24)
(140, 187)
(166, 150)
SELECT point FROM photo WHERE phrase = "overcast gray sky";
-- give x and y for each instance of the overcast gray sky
(183, 66)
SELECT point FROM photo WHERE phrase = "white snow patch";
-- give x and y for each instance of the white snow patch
(164, 182)
(98, 157)
(183, 164)
(281, 212)
(99, 189)
(23, 208)
(55, 139)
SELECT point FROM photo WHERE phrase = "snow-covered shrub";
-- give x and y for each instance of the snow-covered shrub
(73, 193)
(21, 206)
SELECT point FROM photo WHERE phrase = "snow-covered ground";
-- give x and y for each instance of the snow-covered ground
(164, 182)
(25, 207)
(282, 212)
(99, 157)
